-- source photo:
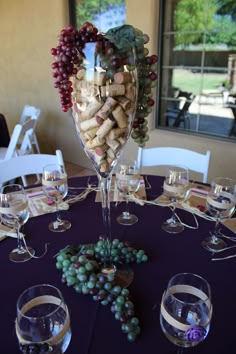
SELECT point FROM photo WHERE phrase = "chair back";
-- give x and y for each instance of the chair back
(31, 113)
(24, 165)
(164, 156)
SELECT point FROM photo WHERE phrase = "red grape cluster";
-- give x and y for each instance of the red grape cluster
(69, 57)
(81, 269)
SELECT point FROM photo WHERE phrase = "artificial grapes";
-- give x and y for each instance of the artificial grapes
(80, 268)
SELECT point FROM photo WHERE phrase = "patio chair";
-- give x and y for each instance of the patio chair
(164, 156)
(22, 166)
(31, 113)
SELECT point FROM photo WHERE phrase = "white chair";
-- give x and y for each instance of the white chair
(164, 156)
(20, 142)
(31, 113)
(25, 165)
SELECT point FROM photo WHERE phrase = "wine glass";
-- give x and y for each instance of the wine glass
(127, 182)
(14, 213)
(55, 187)
(186, 310)
(220, 204)
(104, 97)
(175, 187)
(43, 321)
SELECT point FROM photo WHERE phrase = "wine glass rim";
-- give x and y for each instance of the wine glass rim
(53, 164)
(59, 305)
(208, 287)
(21, 189)
(215, 179)
(183, 167)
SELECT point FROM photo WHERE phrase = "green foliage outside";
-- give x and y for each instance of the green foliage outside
(196, 82)
(87, 9)
(205, 21)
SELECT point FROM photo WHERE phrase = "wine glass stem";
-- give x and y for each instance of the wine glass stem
(58, 212)
(127, 204)
(20, 244)
(105, 183)
(216, 229)
(174, 219)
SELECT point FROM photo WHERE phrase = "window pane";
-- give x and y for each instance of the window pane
(198, 68)
(104, 14)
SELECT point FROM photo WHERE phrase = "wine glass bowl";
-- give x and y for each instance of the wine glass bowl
(55, 187)
(186, 310)
(220, 204)
(127, 182)
(104, 101)
(175, 188)
(14, 213)
(43, 321)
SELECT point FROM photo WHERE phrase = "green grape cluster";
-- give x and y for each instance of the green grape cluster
(147, 81)
(81, 269)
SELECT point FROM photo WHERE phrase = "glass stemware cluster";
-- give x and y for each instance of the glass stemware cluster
(175, 187)
(127, 182)
(14, 213)
(55, 187)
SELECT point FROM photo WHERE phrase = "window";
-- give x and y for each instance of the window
(104, 14)
(197, 67)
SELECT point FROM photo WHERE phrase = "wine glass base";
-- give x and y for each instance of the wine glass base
(172, 227)
(61, 226)
(21, 255)
(124, 276)
(127, 220)
(214, 245)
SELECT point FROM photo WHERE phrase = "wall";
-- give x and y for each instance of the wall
(28, 30)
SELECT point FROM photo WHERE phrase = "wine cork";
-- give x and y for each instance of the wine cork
(110, 160)
(124, 102)
(95, 142)
(104, 167)
(91, 109)
(130, 92)
(100, 78)
(90, 134)
(105, 128)
(116, 133)
(121, 140)
(113, 90)
(90, 123)
(88, 90)
(100, 159)
(81, 73)
(100, 151)
(122, 77)
(120, 117)
(106, 109)
(111, 153)
(114, 144)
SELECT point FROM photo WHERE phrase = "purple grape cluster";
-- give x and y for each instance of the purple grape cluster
(81, 269)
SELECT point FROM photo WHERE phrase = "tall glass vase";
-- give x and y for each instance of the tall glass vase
(104, 95)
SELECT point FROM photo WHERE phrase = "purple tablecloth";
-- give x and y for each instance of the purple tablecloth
(94, 328)
(4, 133)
